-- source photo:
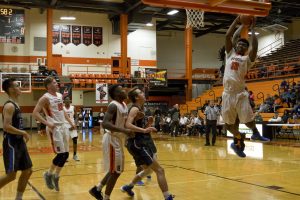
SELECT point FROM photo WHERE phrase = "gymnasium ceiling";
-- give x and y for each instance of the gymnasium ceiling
(139, 14)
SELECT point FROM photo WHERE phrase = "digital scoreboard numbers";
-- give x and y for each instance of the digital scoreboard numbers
(12, 26)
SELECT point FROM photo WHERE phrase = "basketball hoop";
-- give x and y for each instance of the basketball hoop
(195, 18)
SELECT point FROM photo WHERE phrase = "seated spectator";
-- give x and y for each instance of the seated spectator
(264, 108)
(198, 127)
(277, 102)
(286, 116)
(269, 100)
(297, 109)
(183, 121)
(190, 124)
(286, 97)
(276, 118)
(284, 84)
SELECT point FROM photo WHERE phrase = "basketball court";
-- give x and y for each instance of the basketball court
(271, 171)
(193, 170)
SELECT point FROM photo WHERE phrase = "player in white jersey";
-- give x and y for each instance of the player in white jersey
(113, 142)
(235, 102)
(51, 103)
(70, 110)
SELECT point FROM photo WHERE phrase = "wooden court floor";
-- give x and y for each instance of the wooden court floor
(194, 172)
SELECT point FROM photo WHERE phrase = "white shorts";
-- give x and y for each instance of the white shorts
(236, 105)
(59, 138)
(72, 133)
(113, 153)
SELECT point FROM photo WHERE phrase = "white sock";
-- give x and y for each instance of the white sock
(166, 194)
(19, 195)
(99, 187)
(106, 197)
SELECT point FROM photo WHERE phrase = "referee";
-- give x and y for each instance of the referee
(211, 112)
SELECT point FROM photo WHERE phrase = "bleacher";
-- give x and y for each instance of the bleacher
(263, 87)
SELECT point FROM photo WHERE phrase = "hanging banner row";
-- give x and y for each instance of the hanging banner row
(77, 34)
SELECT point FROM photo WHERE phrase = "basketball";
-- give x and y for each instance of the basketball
(246, 19)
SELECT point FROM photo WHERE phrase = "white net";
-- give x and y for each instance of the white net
(195, 18)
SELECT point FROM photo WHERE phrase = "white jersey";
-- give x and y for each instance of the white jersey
(71, 113)
(122, 112)
(55, 112)
(236, 69)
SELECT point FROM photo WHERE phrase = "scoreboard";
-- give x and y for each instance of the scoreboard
(12, 26)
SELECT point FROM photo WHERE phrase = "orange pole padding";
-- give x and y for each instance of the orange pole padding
(49, 38)
(208, 8)
(244, 32)
(123, 31)
(188, 62)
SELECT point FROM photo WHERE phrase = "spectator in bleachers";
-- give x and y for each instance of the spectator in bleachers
(269, 100)
(286, 97)
(297, 109)
(276, 118)
(286, 116)
(175, 120)
(284, 84)
(293, 97)
(182, 123)
(190, 125)
(277, 102)
(198, 127)
(264, 108)
(262, 71)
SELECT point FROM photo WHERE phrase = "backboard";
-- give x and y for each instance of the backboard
(24, 79)
(256, 8)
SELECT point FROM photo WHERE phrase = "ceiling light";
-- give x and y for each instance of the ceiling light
(172, 12)
(256, 33)
(149, 24)
(67, 18)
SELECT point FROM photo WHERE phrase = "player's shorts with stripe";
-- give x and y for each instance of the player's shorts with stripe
(141, 152)
(236, 105)
(59, 138)
(113, 152)
(15, 154)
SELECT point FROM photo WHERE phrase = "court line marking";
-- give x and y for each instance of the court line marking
(239, 181)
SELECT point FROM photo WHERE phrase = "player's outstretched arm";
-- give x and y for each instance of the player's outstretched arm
(254, 44)
(229, 34)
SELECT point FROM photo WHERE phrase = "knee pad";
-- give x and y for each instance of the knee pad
(58, 159)
(75, 140)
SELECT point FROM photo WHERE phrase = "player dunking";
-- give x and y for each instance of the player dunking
(113, 142)
(141, 146)
(70, 110)
(235, 102)
(15, 153)
(52, 105)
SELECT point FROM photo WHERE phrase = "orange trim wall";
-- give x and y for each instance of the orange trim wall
(70, 60)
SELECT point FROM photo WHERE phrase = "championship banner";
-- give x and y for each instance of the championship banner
(12, 26)
(156, 77)
(76, 35)
(65, 34)
(55, 33)
(97, 36)
(87, 35)
(66, 90)
(101, 93)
